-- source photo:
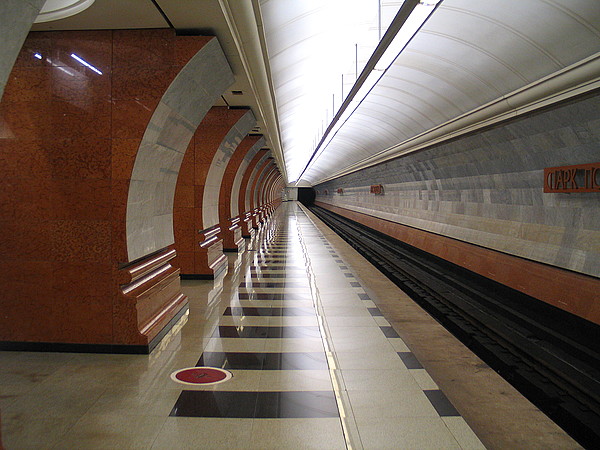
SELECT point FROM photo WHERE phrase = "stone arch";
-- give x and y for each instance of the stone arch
(214, 178)
(149, 219)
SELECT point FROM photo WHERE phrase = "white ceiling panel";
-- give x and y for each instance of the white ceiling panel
(467, 54)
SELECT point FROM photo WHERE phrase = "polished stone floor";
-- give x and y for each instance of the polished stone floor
(315, 364)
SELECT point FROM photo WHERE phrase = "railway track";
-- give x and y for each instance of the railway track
(550, 356)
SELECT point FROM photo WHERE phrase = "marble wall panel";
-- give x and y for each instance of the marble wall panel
(212, 132)
(212, 187)
(255, 172)
(486, 188)
(258, 183)
(239, 175)
(183, 105)
(68, 144)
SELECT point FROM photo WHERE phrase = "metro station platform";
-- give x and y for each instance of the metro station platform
(323, 350)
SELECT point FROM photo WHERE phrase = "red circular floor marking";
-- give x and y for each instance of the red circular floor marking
(201, 375)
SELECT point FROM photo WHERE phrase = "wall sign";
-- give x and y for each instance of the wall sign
(377, 189)
(569, 179)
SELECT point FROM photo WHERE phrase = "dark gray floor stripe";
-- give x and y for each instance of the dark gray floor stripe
(410, 360)
(441, 403)
(389, 332)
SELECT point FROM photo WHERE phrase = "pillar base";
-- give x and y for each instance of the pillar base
(150, 298)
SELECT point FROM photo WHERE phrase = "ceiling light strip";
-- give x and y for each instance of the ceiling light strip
(398, 35)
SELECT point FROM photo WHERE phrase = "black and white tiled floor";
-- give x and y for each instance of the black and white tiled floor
(312, 347)
(315, 364)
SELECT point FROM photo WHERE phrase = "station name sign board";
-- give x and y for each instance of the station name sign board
(571, 179)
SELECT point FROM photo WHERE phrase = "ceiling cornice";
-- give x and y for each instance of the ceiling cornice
(244, 26)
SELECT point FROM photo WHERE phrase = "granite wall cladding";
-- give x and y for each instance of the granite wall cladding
(239, 175)
(189, 195)
(70, 139)
(250, 199)
(487, 188)
(260, 181)
(264, 194)
(245, 185)
(180, 110)
(212, 186)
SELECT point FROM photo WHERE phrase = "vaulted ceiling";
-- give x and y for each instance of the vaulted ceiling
(328, 105)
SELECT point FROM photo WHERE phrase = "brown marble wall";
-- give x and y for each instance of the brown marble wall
(245, 212)
(232, 232)
(263, 194)
(262, 169)
(187, 214)
(68, 140)
(570, 291)
(266, 190)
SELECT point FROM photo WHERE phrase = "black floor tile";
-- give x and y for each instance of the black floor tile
(271, 261)
(389, 332)
(269, 275)
(232, 360)
(240, 332)
(274, 312)
(274, 296)
(286, 268)
(410, 360)
(247, 311)
(286, 405)
(295, 361)
(375, 312)
(264, 361)
(215, 404)
(226, 331)
(441, 403)
(348, 275)
(273, 284)
(354, 284)
(364, 296)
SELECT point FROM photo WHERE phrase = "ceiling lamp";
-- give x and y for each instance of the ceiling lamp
(59, 9)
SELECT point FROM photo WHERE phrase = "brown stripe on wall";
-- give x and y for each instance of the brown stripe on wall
(576, 293)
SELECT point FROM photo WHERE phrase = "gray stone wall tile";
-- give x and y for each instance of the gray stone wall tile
(486, 188)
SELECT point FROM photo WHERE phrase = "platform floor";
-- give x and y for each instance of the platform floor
(324, 351)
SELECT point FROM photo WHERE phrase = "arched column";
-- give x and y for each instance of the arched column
(260, 207)
(269, 198)
(244, 212)
(175, 119)
(251, 197)
(198, 239)
(229, 224)
(278, 187)
(274, 199)
(92, 164)
(264, 206)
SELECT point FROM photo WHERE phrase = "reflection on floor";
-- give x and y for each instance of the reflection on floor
(314, 363)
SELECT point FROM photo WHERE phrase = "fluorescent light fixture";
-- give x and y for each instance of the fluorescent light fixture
(85, 63)
(376, 69)
(416, 19)
(37, 55)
